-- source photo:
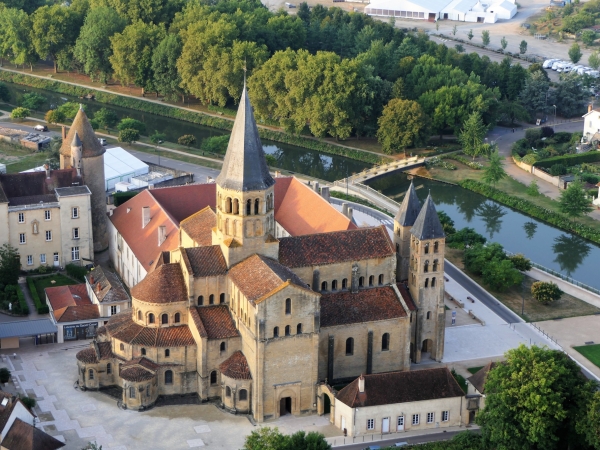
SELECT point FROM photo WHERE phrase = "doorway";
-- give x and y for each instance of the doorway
(385, 425)
(285, 406)
(400, 423)
(327, 405)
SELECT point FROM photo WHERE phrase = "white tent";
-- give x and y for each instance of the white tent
(503, 9)
(120, 165)
(407, 9)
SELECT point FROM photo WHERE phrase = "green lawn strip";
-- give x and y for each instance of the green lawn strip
(22, 301)
(591, 352)
(474, 370)
(460, 380)
(38, 284)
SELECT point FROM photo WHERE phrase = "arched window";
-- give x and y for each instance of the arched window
(200, 300)
(256, 206)
(147, 390)
(139, 315)
(276, 332)
(299, 328)
(169, 377)
(385, 341)
(426, 248)
(122, 347)
(350, 346)
(222, 347)
(177, 318)
(324, 286)
(397, 248)
(249, 207)
(361, 282)
(243, 394)
(108, 369)
(150, 318)
(435, 265)
(436, 247)
(381, 279)
(213, 377)
(131, 391)
(288, 305)
(228, 205)
(371, 280)
(167, 353)
(211, 299)
(236, 206)
(164, 319)
(287, 330)
(143, 352)
(433, 282)
(428, 315)
(227, 391)
(222, 298)
(334, 285)
(426, 282)
(345, 283)
(91, 374)
(426, 266)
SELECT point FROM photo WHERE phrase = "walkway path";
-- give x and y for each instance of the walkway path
(565, 286)
(33, 314)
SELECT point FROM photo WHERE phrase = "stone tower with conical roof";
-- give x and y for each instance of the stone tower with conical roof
(245, 193)
(82, 150)
(403, 222)
(426, 283)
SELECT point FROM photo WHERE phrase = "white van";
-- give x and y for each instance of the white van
(548, 63)
(583, 70)
(555, 64)
(594, 73)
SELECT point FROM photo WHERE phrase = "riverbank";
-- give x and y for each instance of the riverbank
(184, 114)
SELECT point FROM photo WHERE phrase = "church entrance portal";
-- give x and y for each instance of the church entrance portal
(285, 406)
(426, 349)
(327, 405)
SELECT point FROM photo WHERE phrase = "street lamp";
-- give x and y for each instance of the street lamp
(156, 149)
(554, 106)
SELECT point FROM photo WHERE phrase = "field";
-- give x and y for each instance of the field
(591, 352)
(19, 158)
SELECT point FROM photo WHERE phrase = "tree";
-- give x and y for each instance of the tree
(402, 124)
(55, 116)
(31, 100)
(509, 112)
(454, 29)
(533, 189)
(575, 53)
(459, 48)
(15, 37)
(494, 171)
(545, 292)
(470, 35)
(590, 427)
(594, 60)
(129, 135)
(523, 47)
(588, 37)
(534, 401)
(477, 256)
(485, 37)
(573, 201)
(164, 66)
(10, 265)
(29, 402)
(70, 109)
(106, 118)
(129, 123)
(4, 93)
(570, 98)
(534, 96)
(464, 238)
(93, 48)
(271, 439)
(20, 113)
(503, 43)
(521, 262)
(472, 134)
(157, 138)
(447, 223)
(187, 140)
(4, 375)
(499, 275)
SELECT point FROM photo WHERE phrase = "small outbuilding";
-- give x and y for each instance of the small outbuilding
(43, 331)
(120, 165)
(74, 314)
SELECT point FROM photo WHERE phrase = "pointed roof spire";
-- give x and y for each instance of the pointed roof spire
(89, 142)
(76, 141)
(245, 167)
(409, 209)
(428, 225)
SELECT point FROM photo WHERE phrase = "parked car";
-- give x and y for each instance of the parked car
(583, 70)
(102, 141)
(40, 128)
(548, 63)
(373, 447)
(555, 64)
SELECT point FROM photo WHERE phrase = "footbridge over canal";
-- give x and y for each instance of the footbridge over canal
(386, 169)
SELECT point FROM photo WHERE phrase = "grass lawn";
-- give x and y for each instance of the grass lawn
(474, 370)
(19, 158)
(591, 352)
(567, 306)
(461, 381)
(45, 282)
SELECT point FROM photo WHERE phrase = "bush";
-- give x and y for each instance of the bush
(557, 170)
(31, 100)
(131, 124)
(55, 116)
(545, 292)
(40, 306)
(589, 178)
(4, 93)
(20, 113)
(530, 159)
(533, 136)
(570, 160)
(467, 162)
(77, 272)
(121, 197)
(4, 375)
(521, 262)
(23, 306)
(562, 137)
(129, 135)
(547, 132)
(29, 402)
(215, 144)
(521, 147)
(187, 140)
(465, 237)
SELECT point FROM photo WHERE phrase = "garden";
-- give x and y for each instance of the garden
(12, 300)
(591, 352)
(38, 284)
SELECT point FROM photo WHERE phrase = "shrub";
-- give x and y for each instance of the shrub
(521, 262)
(557, 170)
(31, 100)
(590, 178)
(465, 237)
(187, 140)
(4, 375)
(545, 292)
(20, 113)
(77, 272)
(55, 116)
(562, 137)
(467, 162)
(4, 93)
(129, 124)
(530, 159)
(29, 402)
(40, 306)
(533, 136)
(215, 144)
(23, 306)
(121, 197)
(521, 147)
(570, 160)
(129, 135)
(547, 132)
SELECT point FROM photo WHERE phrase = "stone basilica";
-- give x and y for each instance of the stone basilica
(262, 323)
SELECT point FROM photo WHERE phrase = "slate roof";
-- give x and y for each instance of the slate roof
(479, 378)
(366, 305)
(335, 247)
(236, 367)
(244, 167)
(26, 328)
(401, 387)
(89, 142)
(427, 225)
(123, 328)
(33, 187)
(199, 226)
(72, 191)
(206, 261)
(257, 276)
(164, 285)
(23, 436)
(409, 209)
(106, 285)
(214, 322)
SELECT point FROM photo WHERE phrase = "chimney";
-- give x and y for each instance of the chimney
(145, 216)
(98, 288)
(325, 193)
(361, 384)
(316, 187)
(350, 212)
(92, 279)
(209, 179)
(345, 209)
(162, 234)
(64, 132)
(277, 173)
(590, 107)
(47, 167)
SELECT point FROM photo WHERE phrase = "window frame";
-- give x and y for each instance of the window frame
(168, 377)
(30, 260)
(113, 310)
(430, 417)
(75, 212)
(75, 256)
(22, 238)
(21, 217)
(370, 424)
(47, 215)
(76, 233)
(445, 416)
(350, 346)
(42, 258)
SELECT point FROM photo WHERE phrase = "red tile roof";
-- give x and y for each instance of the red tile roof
(106, 285)
(216, 322)
(335, 247)
(123, 328)
(206, 261)
(401, 387)
(236, 367)
(77, 313)
(366, 305)
(23, 436)
(199, 226)
(136, 374)
(164, 285)
(71, 303)
(258, 276)
(180, 202)
(87, 355)
(406, 296)
(300, 210)
(143, 362)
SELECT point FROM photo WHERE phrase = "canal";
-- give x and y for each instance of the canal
(518, 233)
(289, 157)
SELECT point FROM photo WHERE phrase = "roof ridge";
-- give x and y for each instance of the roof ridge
(167, 213)
(195, 214)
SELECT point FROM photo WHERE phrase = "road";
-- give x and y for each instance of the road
(444, 436)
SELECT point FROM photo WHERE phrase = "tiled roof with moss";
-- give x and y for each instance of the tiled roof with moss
(164, 285)
(236, 367)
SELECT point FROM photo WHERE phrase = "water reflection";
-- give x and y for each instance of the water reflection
(530, 229)
(491, 214)
(570, 251)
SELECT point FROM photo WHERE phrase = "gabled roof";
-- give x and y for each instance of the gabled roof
(236, 367)
(244, 167)
(366, 305)
(300, 210)
(257, 276)
(23, 436)
(335, 247)
(106, 285)
(428, 225)
(401, 387)
(122, 327)
(33, 187)
(199, 226)
(206, 261)
(409, 209)
(163, 285)
(180, 202)
(90, 144)
(214, 322)
(479, 378)
(71, 303)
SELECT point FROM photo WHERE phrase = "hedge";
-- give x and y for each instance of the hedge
(569, 160)
(525, 206)
(22, 301)
(41, 308)
(185, 115)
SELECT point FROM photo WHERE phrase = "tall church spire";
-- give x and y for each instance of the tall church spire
(428, 225)
(409, 209)
(245, 168)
